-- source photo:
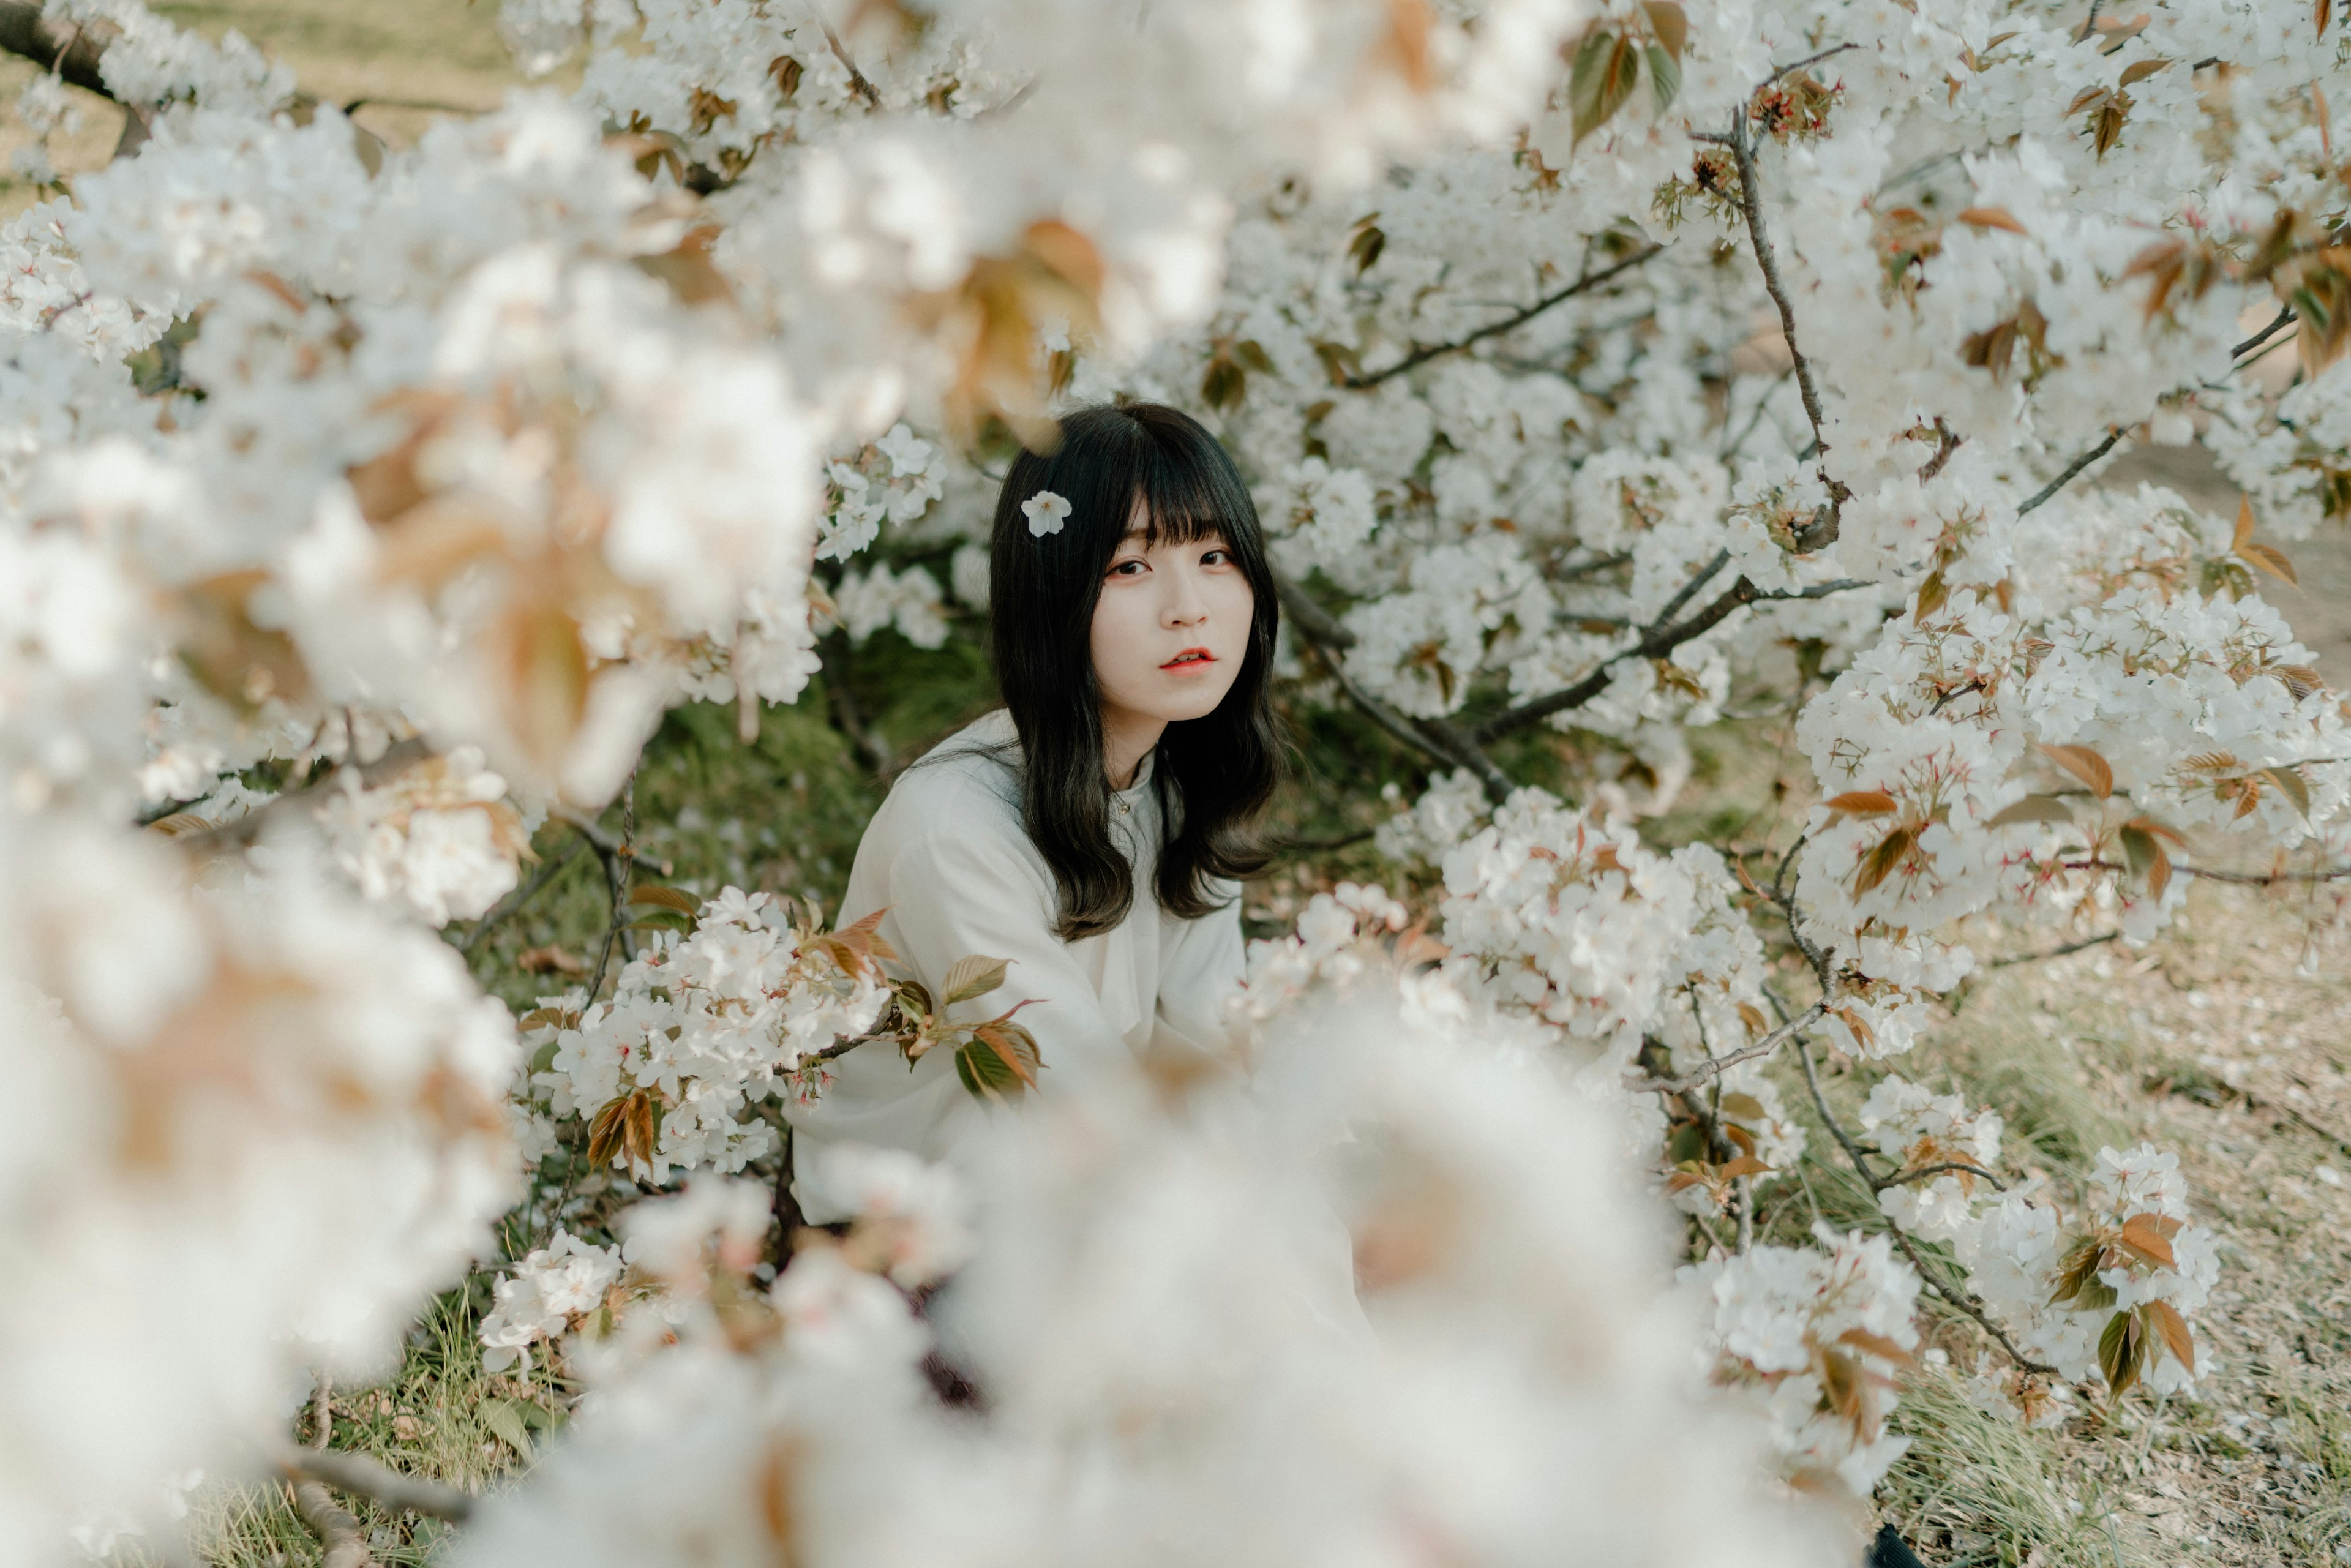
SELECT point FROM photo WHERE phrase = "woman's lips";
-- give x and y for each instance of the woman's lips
(1190, 659)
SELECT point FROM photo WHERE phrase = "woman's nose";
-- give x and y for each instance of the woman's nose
(1186, 605)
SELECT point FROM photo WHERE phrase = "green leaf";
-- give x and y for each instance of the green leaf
(985, 1074)
(506, 1422)
(975, 975)
(1602, 80)
(1665, 78)
(2139, 849)
(1251, 352)
(2122, 1352)
(2291, 786)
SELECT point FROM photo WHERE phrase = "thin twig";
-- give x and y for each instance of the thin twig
(2284, 316)
(1762, 406)
(1958, 1297)
(1688, 591)
(429, 105)
(1661, 639)
(1715, 1066)
(616, 858)
(1284, 848)
(857, 82)
(1879, 1184)
(1853, 1151)
(1968, 1301)
(2057, 952)
(396, 758)
(1750, 202)
(1316, 623)
(2268, 879)
(516, 899)
(1438, 738)
(1808, 60)
(1512, 322)
(363, 1476)
(2075, 467)
(338, 1532)
(1592, 568)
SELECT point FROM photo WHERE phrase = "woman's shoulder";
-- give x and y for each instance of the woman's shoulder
(967, 785)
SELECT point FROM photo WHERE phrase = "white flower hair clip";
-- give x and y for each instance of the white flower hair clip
(1046, 513)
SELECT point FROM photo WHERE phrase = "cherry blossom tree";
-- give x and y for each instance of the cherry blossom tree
(363, 510)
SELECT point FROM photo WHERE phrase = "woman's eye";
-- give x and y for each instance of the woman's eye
(1218, 558)
(1127, 568)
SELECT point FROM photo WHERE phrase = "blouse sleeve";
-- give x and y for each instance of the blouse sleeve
(1201, 963)
(955, 894)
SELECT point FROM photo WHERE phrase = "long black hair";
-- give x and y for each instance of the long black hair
(1214, 774)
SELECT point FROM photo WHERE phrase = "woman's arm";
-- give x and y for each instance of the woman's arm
(954, 894)
(1201, 961)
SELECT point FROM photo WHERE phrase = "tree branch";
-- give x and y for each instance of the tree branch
(2284, 317)
(1780, 71)
(1958, 1296)
(1438, 738)
(1751, 205)
(363, 1476)
(1879, 1184)
(337, 1531)
(515, 899)
(1317, 624)
(1421, 355)
(2073, 468)
(857, 82)
(71, 53)
(397, 758)
(1715, 1066)
(2057, 952)
(1660, 640)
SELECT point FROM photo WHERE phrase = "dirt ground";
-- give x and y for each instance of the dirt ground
(2228, 1041)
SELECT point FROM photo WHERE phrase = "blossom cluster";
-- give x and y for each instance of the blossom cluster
(1815, 1339)
(703, 1027)
(1392, 1236)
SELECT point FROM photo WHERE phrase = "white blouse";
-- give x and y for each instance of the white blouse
(949, 860)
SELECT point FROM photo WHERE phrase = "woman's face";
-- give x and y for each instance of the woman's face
(1171, 630)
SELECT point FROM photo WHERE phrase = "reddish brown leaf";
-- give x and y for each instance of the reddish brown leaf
(1671, 24)
(2141, 1236)
(2172, 1329)
(1990, 218)
(2085, 764)
(1862, 803)
(1880, 863)
(1877, 1345)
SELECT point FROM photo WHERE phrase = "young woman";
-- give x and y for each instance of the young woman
(1091, 830)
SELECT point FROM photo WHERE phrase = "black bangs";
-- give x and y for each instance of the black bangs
(1046, 561)
(1181, 507)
